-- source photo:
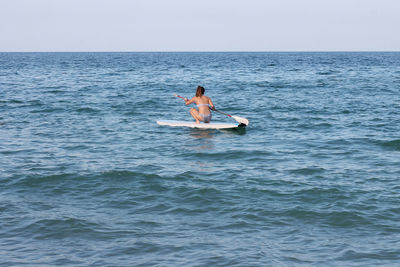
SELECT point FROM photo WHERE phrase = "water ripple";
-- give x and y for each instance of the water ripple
(88, 178)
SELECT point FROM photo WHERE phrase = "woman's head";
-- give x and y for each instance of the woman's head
(200, 91)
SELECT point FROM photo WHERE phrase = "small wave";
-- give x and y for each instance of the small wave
(15, 152)
(87, 110)
(111, 74)
(340, 219)
(308, 171)
(34, 103)
(278, 85)
(299, 213)
(377, 254)
(72, 147)
(11, 101)
(231, 155)
(40, 180)
(56, 91)
(339, 142)
(132, 113)
(321, 125)
(346, 219)
(97, 184)
(261, 84)
(47, 110)
(123, 174)
(392, 145)
(327, 72)
(319, 195)
(62, 228)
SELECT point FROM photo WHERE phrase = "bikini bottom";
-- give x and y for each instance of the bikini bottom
(206, 117)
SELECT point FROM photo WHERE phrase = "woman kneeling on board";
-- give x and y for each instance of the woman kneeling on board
(203, 103)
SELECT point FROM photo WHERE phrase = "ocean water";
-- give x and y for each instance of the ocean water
(87, 177)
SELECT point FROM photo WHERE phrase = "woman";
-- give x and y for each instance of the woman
(203, 103)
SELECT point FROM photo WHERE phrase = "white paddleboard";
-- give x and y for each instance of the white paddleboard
(211, 125)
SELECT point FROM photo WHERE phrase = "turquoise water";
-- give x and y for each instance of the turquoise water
(89, 178)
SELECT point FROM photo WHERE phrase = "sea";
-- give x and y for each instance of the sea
(88, 178)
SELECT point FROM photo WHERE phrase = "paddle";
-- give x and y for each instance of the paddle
(236, 118)
(241, 120)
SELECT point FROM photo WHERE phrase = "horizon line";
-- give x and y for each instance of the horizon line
(211, 51)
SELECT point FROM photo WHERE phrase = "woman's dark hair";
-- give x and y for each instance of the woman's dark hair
(200, 91)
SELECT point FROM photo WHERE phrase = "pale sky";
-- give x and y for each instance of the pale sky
(199, 25)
